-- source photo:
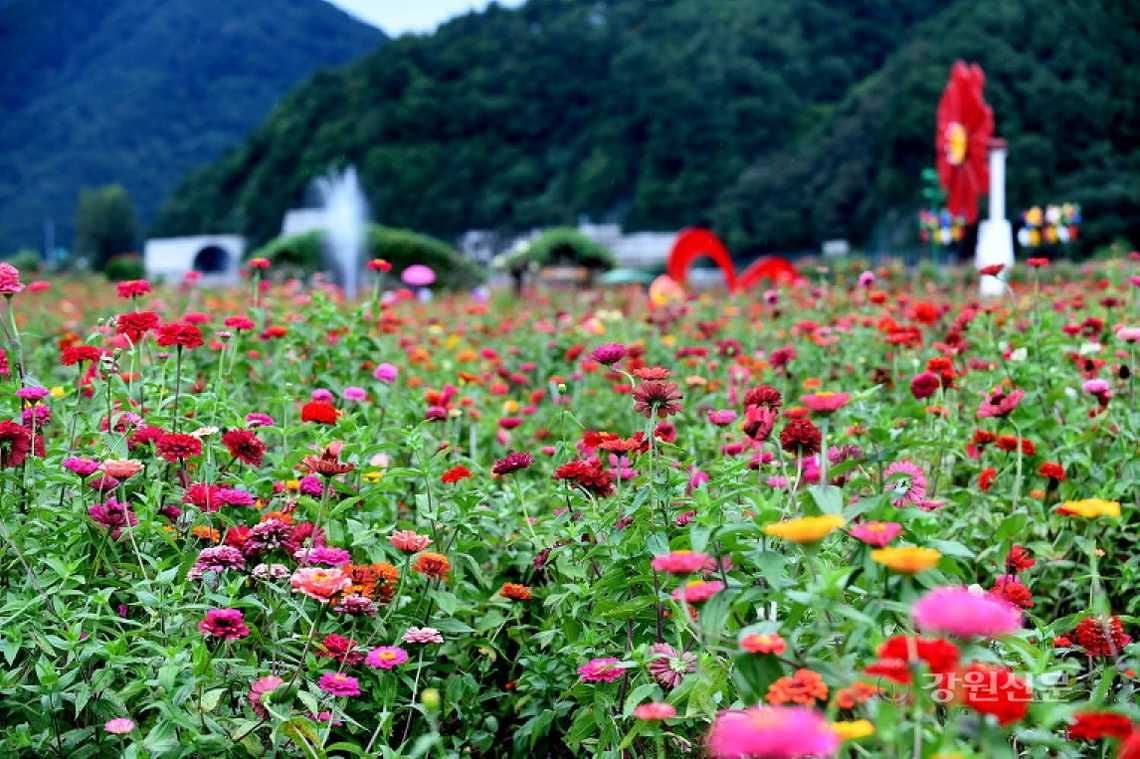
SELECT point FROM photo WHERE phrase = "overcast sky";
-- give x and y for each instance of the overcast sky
(398, 16)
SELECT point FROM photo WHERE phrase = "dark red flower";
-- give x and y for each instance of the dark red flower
(15, 444)
(512, 462)
(341, 649)
(588, 474)
(989, 689)
(925, 385)
(763, 395)
(244, 446)
(1101, 637)
(800, 437)
(144, 435)
(656, 397)
(321, 412)
(1052, 470)
(175, 447)
(179, 334)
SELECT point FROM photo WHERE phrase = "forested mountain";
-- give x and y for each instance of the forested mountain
(139, 91)
(779, 122)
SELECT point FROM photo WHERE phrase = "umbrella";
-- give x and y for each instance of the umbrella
(418, 275)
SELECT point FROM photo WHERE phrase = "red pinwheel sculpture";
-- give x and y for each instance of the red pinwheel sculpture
(693, 243)
(965, 128)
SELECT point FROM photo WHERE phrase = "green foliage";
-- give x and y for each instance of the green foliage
(778, 122)
(105, 224)
(139, 93)
(122, 268)
(399, 247)
(26, 260)
(561, 246)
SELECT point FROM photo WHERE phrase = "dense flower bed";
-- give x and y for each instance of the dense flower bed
(864, 516)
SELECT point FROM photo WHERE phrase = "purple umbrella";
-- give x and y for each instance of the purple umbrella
(418, 275)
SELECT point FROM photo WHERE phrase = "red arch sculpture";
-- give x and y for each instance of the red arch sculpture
(693, 243)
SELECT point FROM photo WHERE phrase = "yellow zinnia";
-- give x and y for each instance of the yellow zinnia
(805, 529)
(907, 559)
(1090, 508)
(853, 730)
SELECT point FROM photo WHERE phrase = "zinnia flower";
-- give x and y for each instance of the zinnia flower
(1093, 726)
(603, 670)
(118, 725)
(339, 684)
(906, 559)
(432, 564)
(515, 591)
(422, 635)
(319, 412)
(259, 690)
(805, 529)
(763, 643)
(989, 689)
(800, 437)
(804, 687)
(244, 446)
(409, 541)
(876, 534)
(319, 583)
(907, 482)
(512, 462)
(680, 562)
(668, 667)
(227, 624)
(961, 612)
(386, 657)
(698, 591)
(825, 402)
(655, 711)
(1000, 403)
(1013, 590)
(1101, 637)
(1090, 508)
(656, 397)
(772, 732)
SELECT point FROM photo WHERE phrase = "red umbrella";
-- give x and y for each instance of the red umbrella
(961, 142)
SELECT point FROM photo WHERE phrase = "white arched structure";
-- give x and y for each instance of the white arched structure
(217, 258)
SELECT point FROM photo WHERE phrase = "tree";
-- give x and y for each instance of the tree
(105, 224)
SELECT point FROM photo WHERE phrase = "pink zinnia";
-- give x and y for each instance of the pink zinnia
(825, 402)
(877, 534)
(385, 373)
(339, 684)
(910, 484)
(722, 417)
(10, 283)
(1000, 403)
(961, 612)
(680, 562)
(698, 591)
(422, 635)
(353, 393)
(409, 541)
(771, 732)
(655, 711)
(668, 667)
(119, 725)
(608, 354)
(259, 690)
(386, 657)
(227, 624)
(603, 670)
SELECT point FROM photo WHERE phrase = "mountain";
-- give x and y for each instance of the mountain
(140, 91)
(778, 122)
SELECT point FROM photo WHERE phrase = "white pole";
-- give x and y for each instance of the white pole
(995, 237)
(997, 183)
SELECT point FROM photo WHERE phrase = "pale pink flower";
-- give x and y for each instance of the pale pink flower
(680, 562)
(655, 711)
(119, 725)
(961, 612)
(259, 690)
(772, 732)
(422, 635)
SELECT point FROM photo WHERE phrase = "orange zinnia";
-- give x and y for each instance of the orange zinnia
(805, 687)
(432, 564)
(515, 591)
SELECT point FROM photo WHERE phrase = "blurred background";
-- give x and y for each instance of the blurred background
(159, 136)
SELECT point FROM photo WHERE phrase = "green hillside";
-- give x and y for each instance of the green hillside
(140, 91)
(779, 122)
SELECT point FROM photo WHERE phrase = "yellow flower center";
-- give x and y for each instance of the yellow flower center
(956, 141)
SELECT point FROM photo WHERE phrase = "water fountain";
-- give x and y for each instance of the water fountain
(345, 221)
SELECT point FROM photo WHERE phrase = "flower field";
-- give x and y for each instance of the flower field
(866, 515)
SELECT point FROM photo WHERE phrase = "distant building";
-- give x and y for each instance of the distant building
(639, 250)
(217, 258)
(298, 221)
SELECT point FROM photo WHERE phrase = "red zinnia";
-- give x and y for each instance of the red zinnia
(587, 474)
(656, 397)
(74, 354)
(174, 446)
(244, 446)
(15, 444)
(455, 474)
(988, 689)
(1019, 559)
(800, 437)
(1052, 470)
(1092, 726)
(1013, 590)
(512, 462)
(895, 655)
(179, 334)
(132, 288)
(1101, 637)
(320, 412)
(986, 478)
(135, 324)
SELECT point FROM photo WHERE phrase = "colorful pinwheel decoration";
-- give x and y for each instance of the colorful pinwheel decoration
(961, 142)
